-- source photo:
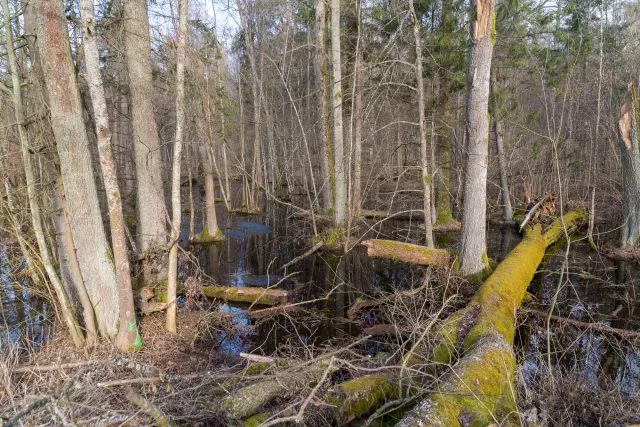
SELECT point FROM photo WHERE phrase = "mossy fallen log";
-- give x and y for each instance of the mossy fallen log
(407, 252)
(246, 401)
(361, 396)
(248, 294)
(479, 388)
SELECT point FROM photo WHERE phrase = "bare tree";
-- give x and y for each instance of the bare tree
(72, 145)
(340, 194)
(424, 160)
(507, 211)
(630, 154)
(172, 286)
(326, 164)
(36, 218)
(151, 209)
(128, 336)
(473, 241)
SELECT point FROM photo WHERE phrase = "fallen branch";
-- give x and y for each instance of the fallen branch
(311, 251)
(250, 295)
(147, 407)
(533, 210)
(407, 252)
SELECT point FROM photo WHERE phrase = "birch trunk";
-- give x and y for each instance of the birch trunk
(473, 241)
(172, 286)
(507, 211)
(151, 208)
(340, 194)
(128, 336)
(326, 164)
(66, 309)
(93, 251)
(424, 161)
(630, 156)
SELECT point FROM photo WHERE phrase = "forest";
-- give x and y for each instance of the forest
(320, 212)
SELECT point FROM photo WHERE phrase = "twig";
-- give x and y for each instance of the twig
(303, 256)
(299, 417)
(257, 358)
(532, 211)
(148, 408)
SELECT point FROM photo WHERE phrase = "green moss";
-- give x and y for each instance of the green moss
(443, 213)
(494, 33)
(256, 420)
(205, 237)
(361, 396)
(428, 179)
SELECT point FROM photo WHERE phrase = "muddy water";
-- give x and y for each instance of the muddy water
(258, 246)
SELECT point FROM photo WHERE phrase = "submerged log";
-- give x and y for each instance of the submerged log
(479, 388)
(249, 295)
(406, 252)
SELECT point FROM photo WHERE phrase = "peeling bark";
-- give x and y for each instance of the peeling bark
(630, 156)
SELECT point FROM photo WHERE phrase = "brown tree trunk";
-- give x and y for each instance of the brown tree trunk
(93, 251)
(172, 286)
(66, 309)
(473, 241)
(128, 336)
(424, 160)
(326, 164)
(151, 208)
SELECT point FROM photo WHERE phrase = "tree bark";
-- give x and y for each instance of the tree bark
(326, 164)
(151, 209)
(507, 211)
(340, 193)
(407, 252)
(172, 285)
(630, 156)
(128, 336)
(473, 241)
(357, 133)
(66, 309)
(210, 232)
(424, 160)
(93, 251)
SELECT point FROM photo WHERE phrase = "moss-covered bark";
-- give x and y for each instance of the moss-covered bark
(406, 252)
(479, 388)
(250, 295)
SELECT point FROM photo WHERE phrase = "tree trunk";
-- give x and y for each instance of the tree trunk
(406, 252)
(357, 133)
(340, 194)
(128, 336)
(93, 251)
(326, 164)
(630, 156)
(66, 309)
(257, 158)
(172, 286)
(151, 209)
(507, 211)
(473, 240)
(424, 161)
(211, 232)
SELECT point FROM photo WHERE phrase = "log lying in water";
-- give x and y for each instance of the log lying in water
(250, 295)
(406, 252)
(479, 388)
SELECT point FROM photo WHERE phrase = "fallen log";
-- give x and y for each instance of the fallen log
(407, 252)
(248, 294)
(478, 390)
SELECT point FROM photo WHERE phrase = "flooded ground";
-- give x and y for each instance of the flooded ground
(256, 248)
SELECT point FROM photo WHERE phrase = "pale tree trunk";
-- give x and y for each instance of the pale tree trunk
(66, 309)
(257, 158)
(93, 251)
(225, 164)
(172, 286)
(326, 164)
(630, 156)
(507, 211)
(424, 161)
(473, 241)
(211, 231)
(357, 132)
(340, 194)
(151, 210)
(128, 336)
